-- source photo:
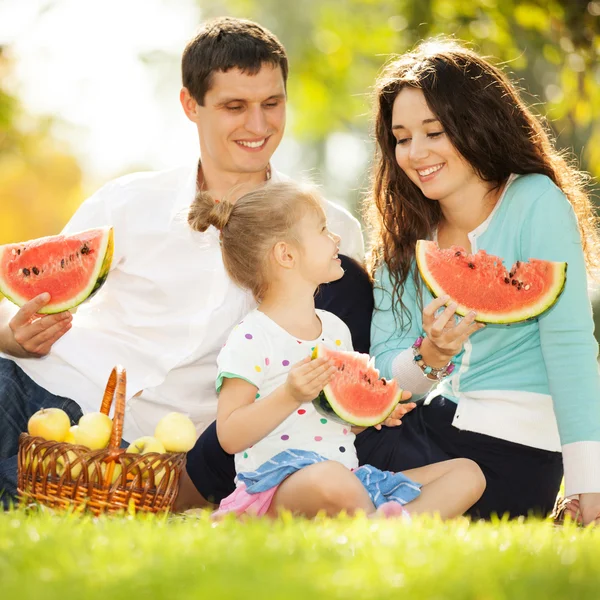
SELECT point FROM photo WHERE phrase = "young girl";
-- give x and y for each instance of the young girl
(463, 161)
(275, 242)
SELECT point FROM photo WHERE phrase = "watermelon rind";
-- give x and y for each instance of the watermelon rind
(330, 407)
(545, 302)
(96, 280)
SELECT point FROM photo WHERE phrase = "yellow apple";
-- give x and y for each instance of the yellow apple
(28, 461)
(94, 431)
(116, 471)
(70, 439)
(61, 464)
(144, 445)
(49, 423)
(176, 432)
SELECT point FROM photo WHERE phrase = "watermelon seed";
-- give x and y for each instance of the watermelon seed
(519, 285)
(527, 286)
(384, 382)
(471, 266)
(85, 249)
(26, 272)
(457, 254)
(514, 282)
(62, 263)
(35, 270)
(506, 280)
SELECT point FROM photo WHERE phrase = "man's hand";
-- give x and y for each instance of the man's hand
(395, 418)
(30, 334)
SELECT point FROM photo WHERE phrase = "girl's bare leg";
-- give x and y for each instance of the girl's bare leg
(449, 488)
(327, 486)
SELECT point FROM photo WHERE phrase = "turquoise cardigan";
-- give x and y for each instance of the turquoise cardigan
(554, 355)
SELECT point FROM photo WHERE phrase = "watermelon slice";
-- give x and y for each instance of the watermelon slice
(355, 395)
(480, 282)
(70, 268)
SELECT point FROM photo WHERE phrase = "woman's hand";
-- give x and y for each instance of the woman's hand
(586, 510)
(307, 378)
(395, 418)
(445, 338)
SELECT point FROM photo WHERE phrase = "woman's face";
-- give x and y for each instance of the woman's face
(424, 151)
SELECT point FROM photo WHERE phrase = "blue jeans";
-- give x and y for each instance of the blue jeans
(20, 398)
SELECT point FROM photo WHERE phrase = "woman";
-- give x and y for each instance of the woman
(463, 161)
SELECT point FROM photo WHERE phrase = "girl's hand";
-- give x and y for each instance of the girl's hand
(401, 409)
(444, 336)
(307, 378)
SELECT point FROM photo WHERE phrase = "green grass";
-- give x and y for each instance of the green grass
(45, 556)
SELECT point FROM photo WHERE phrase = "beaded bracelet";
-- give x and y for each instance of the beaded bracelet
(430, 372)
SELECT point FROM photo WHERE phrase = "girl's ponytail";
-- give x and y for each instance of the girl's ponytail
(204, 212)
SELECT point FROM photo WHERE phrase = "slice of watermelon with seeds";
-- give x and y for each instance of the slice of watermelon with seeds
(355, 395)
(70, 268)
(481, 283)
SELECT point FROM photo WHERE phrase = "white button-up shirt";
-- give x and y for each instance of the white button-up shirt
(165, 310)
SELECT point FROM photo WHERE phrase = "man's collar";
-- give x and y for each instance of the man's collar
(200, 185)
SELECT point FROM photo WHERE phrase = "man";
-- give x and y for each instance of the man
(167, 306)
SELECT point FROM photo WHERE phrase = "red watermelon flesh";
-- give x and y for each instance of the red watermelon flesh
(355, 395)
(70, 268)
(481, 283)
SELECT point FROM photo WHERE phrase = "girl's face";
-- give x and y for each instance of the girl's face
(318, 260)
(424, 151)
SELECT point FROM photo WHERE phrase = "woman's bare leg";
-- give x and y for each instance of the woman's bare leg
(449, 488)
(327, 486)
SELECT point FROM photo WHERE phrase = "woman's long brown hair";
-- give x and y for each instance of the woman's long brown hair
(488, 124)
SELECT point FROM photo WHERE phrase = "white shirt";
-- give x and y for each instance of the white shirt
(164, 311)
(261, 352)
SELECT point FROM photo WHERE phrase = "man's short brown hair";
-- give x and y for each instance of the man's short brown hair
(227, 43)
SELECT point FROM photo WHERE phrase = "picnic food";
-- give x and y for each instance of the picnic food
(176, 432)
(93, 431)
(146, 444)
(70, 268)
(52, 424)
(480, 283)
(355, 395)
(70, 439)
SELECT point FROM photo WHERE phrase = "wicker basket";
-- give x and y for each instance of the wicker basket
(62, 475)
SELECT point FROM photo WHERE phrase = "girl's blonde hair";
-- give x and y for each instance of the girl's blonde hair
(252, 226)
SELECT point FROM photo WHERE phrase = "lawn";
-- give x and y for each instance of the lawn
(65, 556)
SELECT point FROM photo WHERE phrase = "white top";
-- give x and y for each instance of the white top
(165, 309)
(262, 353)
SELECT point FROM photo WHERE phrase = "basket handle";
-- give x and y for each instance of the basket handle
(115, 389)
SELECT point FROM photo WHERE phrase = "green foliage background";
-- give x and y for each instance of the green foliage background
(550, 48)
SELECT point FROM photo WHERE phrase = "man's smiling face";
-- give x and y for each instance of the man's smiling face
(242, 120)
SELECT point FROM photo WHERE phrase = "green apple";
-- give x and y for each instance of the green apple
(94, 431)
(176, 432)
(49, 423)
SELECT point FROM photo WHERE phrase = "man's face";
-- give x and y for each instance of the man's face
(242, 120)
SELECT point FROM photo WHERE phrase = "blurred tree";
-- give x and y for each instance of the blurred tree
(549, 47)
(40, 183)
